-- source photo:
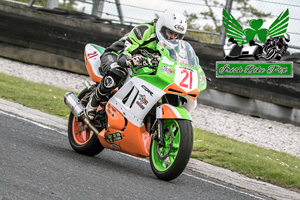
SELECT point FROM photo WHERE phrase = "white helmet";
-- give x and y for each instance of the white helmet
(175, 22)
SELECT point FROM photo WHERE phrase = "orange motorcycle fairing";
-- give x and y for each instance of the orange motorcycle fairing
(92, 74)
(167, 112)
(115, 119)
(129, 138)
(175, 89)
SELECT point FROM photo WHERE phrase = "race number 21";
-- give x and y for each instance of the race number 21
(187, 81)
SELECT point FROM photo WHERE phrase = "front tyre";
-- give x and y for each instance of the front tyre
(170, 159)
(81, 138)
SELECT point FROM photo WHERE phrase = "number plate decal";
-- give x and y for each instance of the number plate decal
(186, 78)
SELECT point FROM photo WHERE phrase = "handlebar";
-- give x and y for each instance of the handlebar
(139, 67)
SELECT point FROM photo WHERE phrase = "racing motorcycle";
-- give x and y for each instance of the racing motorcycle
(275, 47)
(148, 115)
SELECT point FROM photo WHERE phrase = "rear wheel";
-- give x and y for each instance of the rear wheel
(81, 138)
(169, 159)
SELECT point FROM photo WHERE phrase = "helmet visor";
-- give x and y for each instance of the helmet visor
(170, 34)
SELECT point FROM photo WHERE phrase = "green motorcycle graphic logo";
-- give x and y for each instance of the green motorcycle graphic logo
(256, 33)
(263, 43)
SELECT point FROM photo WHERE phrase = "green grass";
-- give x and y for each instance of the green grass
(267, 165)
(48, 99)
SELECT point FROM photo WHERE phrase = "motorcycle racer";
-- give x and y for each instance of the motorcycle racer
(140, 42)
(276, 46)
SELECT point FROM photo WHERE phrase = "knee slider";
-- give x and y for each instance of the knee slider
(112, 79)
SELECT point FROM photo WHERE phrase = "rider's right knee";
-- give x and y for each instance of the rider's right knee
(113, 79)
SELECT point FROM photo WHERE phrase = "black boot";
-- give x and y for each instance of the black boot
(110, 81)
(91, 107)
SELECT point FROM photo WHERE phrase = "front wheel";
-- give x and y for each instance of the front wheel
(270, 54)
(169, 159)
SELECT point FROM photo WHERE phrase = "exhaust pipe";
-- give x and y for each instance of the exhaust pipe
(72, 101)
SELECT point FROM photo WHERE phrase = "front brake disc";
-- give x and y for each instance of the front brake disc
(159, 149)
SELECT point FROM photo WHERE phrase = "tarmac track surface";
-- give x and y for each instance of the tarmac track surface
(37, 162)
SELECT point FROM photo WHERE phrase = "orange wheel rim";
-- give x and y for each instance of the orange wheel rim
(80, 137)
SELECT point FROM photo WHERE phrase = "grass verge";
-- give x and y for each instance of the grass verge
(270, 166)
(46, 98)
(267, 165)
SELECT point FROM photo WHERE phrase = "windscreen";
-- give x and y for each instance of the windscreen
(180, 51)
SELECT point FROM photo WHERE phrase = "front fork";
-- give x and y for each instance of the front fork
(159, 135)
(158, 131)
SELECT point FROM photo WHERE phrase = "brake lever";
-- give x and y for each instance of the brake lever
(132, 68)
(136, 72)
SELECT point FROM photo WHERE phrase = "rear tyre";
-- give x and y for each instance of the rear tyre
(82, 139)
(169, 161)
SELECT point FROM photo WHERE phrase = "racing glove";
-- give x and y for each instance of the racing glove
(106, 67)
